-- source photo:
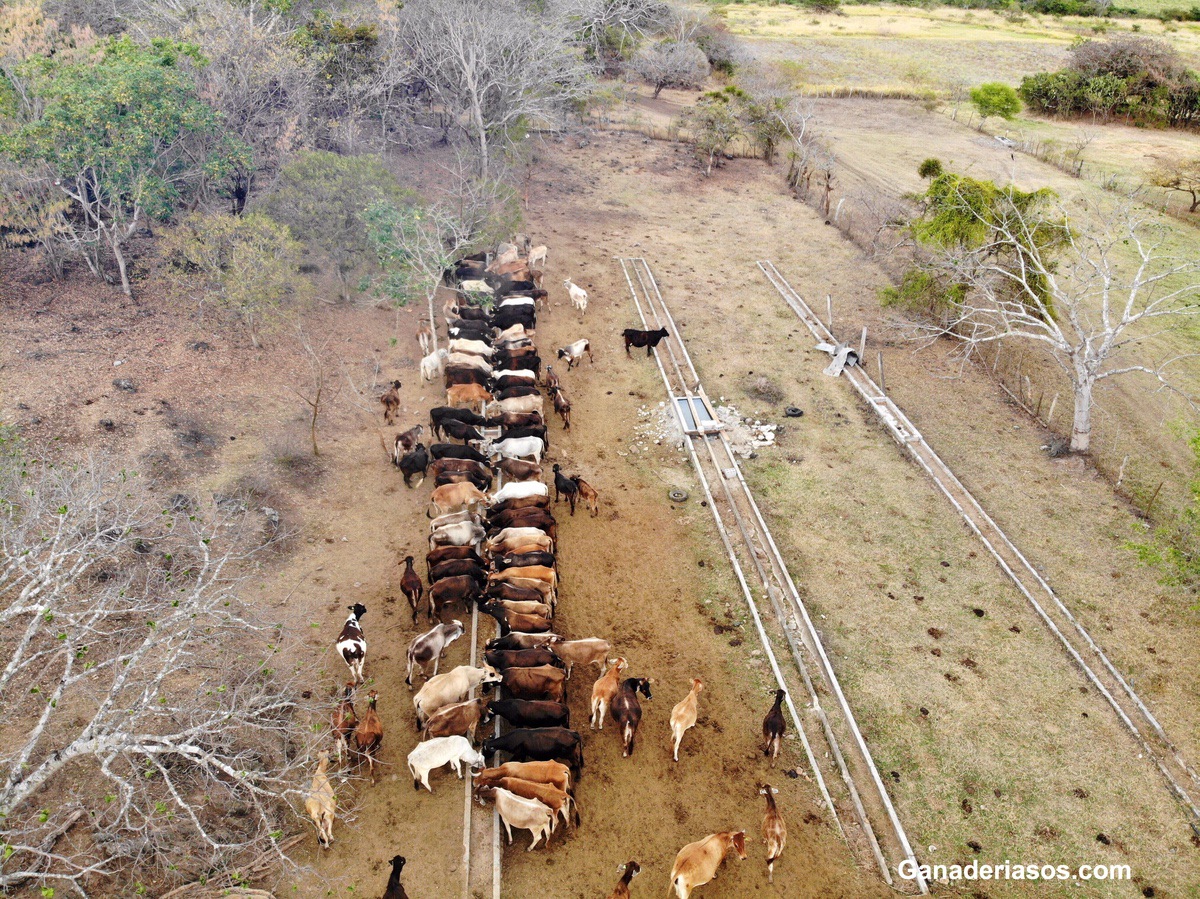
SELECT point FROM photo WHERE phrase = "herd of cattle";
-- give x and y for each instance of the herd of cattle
(496, 550)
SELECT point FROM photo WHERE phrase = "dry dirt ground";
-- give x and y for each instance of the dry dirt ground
(1012, 756)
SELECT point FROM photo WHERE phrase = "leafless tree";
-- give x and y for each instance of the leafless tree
(1118, 283)
(322, 386)
(597, 23)
(671, 63)
(495, 66)
(150, 726)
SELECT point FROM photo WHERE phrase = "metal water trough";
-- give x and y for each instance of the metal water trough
(695, 416)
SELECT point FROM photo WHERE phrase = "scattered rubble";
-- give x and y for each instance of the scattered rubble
(657, 426)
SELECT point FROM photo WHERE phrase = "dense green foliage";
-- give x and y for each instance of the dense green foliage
(321, 197)
(248, 265)
(976, 215)
(1131, 78)
(995, 99)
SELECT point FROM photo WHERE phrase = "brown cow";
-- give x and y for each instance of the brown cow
(697, 863)
(554, 773)
(460, 588)
(460, 719)
(558, 801)
(460, 395)
(411, 586)
(542, 682)
(391, 402)
(452, 497)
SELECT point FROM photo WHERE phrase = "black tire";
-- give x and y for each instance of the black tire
(793, 412)
(677, 495)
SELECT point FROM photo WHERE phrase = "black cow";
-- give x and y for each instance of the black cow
(521, 658)
(648, 339)
(454, 451)
(528, 431)
(439, 414)
(460, 430)
(482, 482)
(511, 560)
(565, 486)
(513, 593)
(531, 712)
(455, 568)
(447, 553)
(627, 711)
(540, 744)
(413, 463)
(516, 390)
(519, 363)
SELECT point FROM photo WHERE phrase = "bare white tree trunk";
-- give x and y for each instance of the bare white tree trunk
(1081, 426)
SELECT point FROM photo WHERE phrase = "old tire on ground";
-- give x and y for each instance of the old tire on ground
(676, 495)
(793, 412)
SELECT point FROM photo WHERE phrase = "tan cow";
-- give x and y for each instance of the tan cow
(774, 830)
(454, 497)
(554, 773)
(604, 690)
(558, 801)
(683, 716)
(321, 803)
(460, 719)
(697, 863)
(459, 395)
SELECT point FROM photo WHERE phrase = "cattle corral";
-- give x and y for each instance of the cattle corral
(999, 756)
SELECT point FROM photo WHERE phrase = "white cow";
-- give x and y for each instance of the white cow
(579, 296)
(433, 365)
(465, 533)
(519, 490)
(523, 374)
(517, 448)
(470, 347)
(524, 814)
(469, 361)
(453, 686)
(454, 751)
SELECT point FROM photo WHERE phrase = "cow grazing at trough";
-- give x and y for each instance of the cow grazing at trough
(456, 451)
(621, 890)
(453, 686)
(452, 497)
(456, 568)
(368, 733)
(627, 710)
(647, 339)
(460, 719)
(558, 801)
(460, 430)
(343, 720)
(548, 772)
(774, 830)
(391, 402)
(697, 863)
(351, 644)
(395, 889)
(429, 647)
(450, 554)
(517, 404)
(523, 559)
(463, 588)
(540, 744)
(562, 406)
(521, 489)
(416, 462)
(519, 470)
(411, 586)
(515, 621)
(774, 727)
(565, 486)
(465, 533)
(683, 716)
(439, 414)
(588, 651)
(531, 712)
(588, 495)
(517, 640)
(542, 682)
(579, 296)
(574, 352)
(464, 344)
(467, 395)
(321, 802)
(454, 751)
(503, 659)
(524, 814)
(604, 690)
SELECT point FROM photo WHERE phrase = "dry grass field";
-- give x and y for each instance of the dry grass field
(886, 49)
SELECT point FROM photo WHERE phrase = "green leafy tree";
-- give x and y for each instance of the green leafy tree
(124, 136)
(415, 243)
(995, 99)
(930, 168)
(713, 123)
(321, 197)
(248, 265)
